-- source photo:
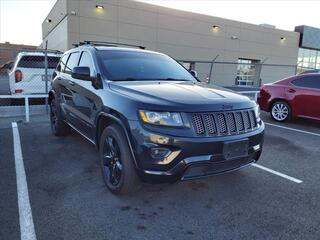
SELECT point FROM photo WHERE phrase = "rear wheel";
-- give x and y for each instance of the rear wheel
(118, 170)
(58, 126)
(280, 111)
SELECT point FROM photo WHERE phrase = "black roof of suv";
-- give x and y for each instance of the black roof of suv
(150, 118)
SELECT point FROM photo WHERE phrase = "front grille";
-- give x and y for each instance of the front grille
(224, 123)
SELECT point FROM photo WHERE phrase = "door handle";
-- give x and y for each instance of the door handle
(290, 90)
(71, 83)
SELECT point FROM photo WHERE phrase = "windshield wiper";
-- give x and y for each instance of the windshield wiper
(172, 79)
(126, 79)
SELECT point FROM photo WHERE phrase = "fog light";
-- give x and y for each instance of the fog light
(157, 153)
(256, 147)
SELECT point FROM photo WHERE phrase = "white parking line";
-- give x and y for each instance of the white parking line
(27, 231)
(277, 173)
(293, 129)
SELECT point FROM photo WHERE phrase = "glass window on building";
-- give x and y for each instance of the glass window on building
(247, 72)
(188, 65)
(308, 60)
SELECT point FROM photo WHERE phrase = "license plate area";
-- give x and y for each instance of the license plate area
(235, 149)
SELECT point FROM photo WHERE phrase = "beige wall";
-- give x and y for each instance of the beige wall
(183, 35)
(57, 13)
(58, 37)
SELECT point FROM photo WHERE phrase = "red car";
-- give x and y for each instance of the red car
(296, 96)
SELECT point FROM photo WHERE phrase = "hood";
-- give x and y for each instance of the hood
(181, 96)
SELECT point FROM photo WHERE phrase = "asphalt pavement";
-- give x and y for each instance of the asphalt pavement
(69, 200)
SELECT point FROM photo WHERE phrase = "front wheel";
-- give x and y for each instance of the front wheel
(117, 166)
(280, 111)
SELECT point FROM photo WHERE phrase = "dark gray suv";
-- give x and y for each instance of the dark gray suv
(150, 118)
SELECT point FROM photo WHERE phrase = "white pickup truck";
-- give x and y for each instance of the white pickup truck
(27, 75)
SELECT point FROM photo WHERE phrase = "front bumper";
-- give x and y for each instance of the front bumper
(190, 157)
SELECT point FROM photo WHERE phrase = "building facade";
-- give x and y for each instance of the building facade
(241, 51)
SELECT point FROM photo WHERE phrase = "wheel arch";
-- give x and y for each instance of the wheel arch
(104, 120)
(278, 100)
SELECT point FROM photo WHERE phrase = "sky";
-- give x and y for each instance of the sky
(20, 20)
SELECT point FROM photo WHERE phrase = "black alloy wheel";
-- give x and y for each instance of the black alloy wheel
(116, 161)
(112, 166)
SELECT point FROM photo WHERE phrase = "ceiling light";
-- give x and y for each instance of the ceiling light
(234, 37)
(99, 7)
(215, 28)
(49, 20)
(282, 38)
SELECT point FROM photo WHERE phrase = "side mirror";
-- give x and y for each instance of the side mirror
(82, 73)
(194, 73)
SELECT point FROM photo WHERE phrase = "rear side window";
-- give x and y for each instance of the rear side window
(307, 81)
(72, 62)
(37, 62)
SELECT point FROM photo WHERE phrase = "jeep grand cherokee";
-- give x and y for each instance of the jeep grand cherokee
(150, 118)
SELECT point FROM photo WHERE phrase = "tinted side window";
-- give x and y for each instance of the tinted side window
(62, 63)
(86, 61)
(308, 82)
(72, 62)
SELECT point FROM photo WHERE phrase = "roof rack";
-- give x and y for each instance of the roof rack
(109, 44)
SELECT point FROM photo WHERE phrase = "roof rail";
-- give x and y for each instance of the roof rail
(109, 44)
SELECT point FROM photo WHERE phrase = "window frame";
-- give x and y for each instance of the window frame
(65, 64)
(93, 70)
(75, 52)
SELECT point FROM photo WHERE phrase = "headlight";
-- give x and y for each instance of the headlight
(257, 113)
(161, 118)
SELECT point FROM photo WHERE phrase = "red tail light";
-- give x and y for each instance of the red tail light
(18, 91)
(18, 75)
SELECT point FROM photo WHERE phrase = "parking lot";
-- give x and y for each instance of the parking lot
(276, 199)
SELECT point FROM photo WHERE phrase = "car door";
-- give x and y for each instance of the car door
(305, 94)
(67, 89)
(86, 101)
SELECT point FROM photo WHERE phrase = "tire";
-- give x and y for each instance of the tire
(58, 126)
(116, 161)
(280, 111)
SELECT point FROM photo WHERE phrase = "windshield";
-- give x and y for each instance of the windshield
(130, 65)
